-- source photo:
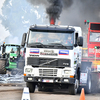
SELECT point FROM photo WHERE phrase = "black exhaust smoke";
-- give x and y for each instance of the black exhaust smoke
(53, 7)
(54, 10)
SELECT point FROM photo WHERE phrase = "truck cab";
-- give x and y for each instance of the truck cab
(53, 57)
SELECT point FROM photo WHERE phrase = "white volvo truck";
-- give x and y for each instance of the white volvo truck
(52, 61)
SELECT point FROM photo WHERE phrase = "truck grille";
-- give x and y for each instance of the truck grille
(47, 72)
(48, 62)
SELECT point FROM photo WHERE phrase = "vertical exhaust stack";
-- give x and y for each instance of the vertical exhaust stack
(52, 21)
(54, 10)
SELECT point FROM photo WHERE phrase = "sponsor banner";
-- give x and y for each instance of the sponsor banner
(34, 51)
(63, 52)
(83, 78)
(93, 50)
(48, 53)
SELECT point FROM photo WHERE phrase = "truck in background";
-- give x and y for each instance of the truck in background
(51, 61)
(92, 52)
(11, 59)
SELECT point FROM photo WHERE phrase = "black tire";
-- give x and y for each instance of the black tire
(31, 87)
(73, 88)
(79, 89)
(95, 84)
(88, 86)
(2, 66)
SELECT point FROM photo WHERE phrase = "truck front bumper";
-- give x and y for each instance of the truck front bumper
(49, 80)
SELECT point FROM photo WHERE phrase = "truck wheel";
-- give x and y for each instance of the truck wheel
(31, 87)
(73, 88)
(88, 86)
(94, 84)
(2, 66)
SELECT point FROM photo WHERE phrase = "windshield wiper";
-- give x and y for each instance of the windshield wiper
(36, 44)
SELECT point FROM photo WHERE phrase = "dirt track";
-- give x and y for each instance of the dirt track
(15, 93)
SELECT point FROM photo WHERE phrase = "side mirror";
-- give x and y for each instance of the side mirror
(23, 39)
(75, 45)
(80, 41)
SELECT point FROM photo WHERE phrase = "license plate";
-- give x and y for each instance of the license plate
(29, 78)
(47, 80)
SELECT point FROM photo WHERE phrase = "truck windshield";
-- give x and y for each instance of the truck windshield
(12, 49)
(94, 37)
(47, 38)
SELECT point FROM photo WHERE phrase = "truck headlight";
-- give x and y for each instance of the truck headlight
(67, 72)
(29, 70)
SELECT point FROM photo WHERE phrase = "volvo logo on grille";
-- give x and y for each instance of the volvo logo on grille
(66, 64)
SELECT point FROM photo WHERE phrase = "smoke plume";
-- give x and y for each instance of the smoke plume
(55, 9)
(73, 11)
